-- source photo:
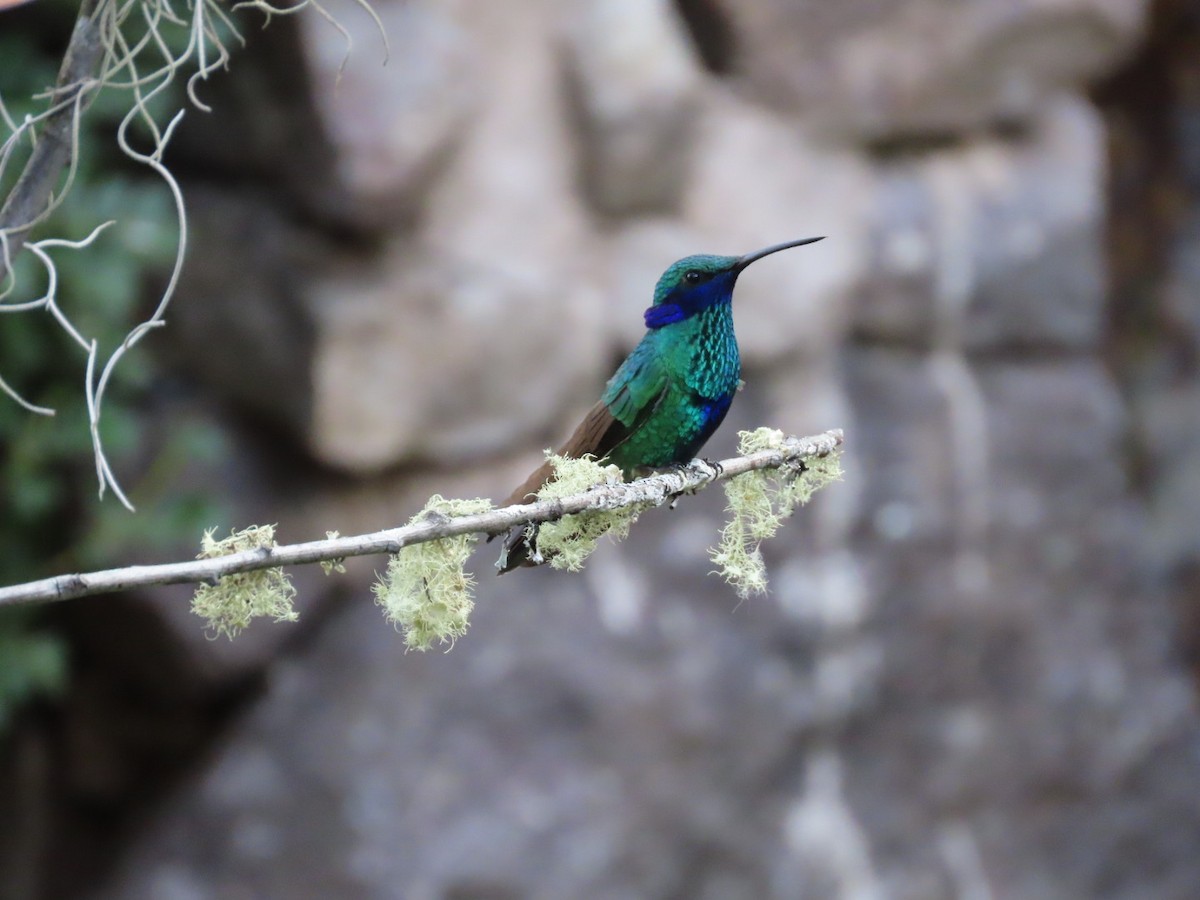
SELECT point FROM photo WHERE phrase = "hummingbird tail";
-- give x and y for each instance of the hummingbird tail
(517, 551)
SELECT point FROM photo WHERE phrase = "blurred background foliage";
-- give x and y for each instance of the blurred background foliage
(46, 463)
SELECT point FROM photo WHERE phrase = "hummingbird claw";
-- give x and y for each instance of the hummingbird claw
(798, 467)
(520, 549)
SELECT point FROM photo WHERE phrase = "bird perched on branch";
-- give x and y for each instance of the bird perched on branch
(671, 393)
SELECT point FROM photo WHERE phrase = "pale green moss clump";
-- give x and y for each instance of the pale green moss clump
(329, 566)
(426, 592)
(567, 543)
(758, 502)
(231, 603)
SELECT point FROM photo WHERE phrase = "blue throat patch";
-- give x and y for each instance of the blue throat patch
(683, 304)
(658, 316)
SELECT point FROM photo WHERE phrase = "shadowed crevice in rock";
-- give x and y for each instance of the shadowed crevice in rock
(1152, 109)
(711, 32)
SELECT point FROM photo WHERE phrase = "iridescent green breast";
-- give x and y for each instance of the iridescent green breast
(701, 367)
(715, 366)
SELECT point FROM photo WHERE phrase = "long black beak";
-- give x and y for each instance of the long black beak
(751, 257)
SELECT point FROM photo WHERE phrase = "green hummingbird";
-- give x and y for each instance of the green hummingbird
(672, 392)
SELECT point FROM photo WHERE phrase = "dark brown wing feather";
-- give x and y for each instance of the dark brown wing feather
(598, 434)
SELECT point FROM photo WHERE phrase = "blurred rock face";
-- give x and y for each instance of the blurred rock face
(559, 157)
(876, 70)
(963, 684)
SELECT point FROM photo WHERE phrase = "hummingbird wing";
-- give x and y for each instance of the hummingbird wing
(597, 429)
(632, 396)
(598, 434)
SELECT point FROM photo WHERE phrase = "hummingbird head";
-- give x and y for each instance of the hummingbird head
(696, 283)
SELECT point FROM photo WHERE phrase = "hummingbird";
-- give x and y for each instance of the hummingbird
(672, 391)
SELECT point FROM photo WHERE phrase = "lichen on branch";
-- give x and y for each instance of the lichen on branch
(567, 543)
(426, 590)
(235, 600)
(759, 501)
(808, 462)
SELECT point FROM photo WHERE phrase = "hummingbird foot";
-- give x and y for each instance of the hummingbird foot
(520, 549)
(707, 469)
(797, 467)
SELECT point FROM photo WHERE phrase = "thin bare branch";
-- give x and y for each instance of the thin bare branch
(99, 51)
(656, 490)
(21, 401)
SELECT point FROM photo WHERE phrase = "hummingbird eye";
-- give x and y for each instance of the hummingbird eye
(691, 276)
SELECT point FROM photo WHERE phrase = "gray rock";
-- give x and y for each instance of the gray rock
(485, 324)
(436, 359)
(995, 244)
(635, 732)
(760, 180)
(375, 359)
(246, 336)
(963, 683)
(1166, 398)
(392, 126)
(508, 197)
(263, 128)
(447, 344)
(882, 71)
(999, 552)
(636, 86)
